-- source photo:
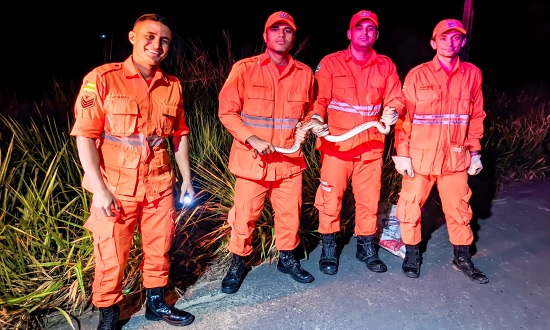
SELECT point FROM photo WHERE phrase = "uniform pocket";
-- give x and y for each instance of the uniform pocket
(458, 158)
(259, 101)
(408, 208)
(121, 163)
(167, 117)
(121, 115)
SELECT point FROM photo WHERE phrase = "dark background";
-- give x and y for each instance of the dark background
(47, 42)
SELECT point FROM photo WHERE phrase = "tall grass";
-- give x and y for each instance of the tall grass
(46, 257)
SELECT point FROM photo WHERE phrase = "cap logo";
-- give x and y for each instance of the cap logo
(452, 24)
(283, 15)
(365, 13)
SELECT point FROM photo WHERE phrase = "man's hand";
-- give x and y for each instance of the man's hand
(300, 135)
(389, 116)
(260, 146)
(105, 203)
(403, 166)
(475, 165)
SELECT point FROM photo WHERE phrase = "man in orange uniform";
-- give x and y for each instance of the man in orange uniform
(123, 114)
(354, 86)
(439, 142)
(261, 104)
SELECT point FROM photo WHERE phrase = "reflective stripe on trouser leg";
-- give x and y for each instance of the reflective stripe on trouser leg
(455, 194)
(414, 193)
(335, 175)
(112, 243)
(366, 182)
(157, 225)
(248, 202)
(286, 198)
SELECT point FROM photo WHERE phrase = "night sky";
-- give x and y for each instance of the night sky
(49, 42)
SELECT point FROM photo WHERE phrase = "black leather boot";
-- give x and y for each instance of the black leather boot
(108, 317)
(462, 262)
(288, 264)
(235, 274)
(411, 263)
(367, 253)
(158, 309)
(328, 262)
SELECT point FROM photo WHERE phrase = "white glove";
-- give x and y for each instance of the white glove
(320, 129)
(475, 165)
(389, 116)
(403, 166)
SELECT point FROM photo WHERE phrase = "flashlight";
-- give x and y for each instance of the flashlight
(187, 199)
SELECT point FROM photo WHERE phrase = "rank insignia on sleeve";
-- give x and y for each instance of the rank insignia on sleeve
(89, 87)
(87, 100)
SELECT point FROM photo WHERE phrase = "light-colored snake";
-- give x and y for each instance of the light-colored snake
(382, 128)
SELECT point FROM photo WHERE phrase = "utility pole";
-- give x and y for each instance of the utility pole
(467, 21)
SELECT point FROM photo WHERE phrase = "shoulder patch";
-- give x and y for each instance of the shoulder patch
(87, 100)
(318, 67)
(89, 86)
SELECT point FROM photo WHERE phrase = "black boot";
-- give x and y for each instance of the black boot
(368, 254)
(235, 274)
(288, 264)
(328, 263)
(158, 309)
(411, 263)
(108, 317)
(463, 262)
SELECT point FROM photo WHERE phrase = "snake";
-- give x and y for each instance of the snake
(382, 128)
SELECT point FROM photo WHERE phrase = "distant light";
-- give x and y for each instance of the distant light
(103, 36)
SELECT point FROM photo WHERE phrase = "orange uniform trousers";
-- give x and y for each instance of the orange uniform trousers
(454, 193)
(365, 182)
(113, 240)
(285, 196)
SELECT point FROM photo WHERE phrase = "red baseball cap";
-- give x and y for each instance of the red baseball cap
(448, 24)
(280, 16)
(363, 14)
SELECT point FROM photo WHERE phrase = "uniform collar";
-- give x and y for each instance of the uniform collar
(374, 58)
(130, 71)
(437, 66)
(265, 59)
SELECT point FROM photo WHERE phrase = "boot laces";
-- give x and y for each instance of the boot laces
(291, 261)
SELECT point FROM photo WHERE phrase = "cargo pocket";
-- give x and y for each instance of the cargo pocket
(457, 158)
(104, 241)
(121, 115)
(121, 167)
(326, 200)
(464, 210)
(408, 208)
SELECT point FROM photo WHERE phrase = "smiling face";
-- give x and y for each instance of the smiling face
(448, 44)
(279, 38)
(151, 41)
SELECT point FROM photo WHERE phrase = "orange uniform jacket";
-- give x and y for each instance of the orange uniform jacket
(258, 100)
(444, 119)
(351, 95)
(129, 121)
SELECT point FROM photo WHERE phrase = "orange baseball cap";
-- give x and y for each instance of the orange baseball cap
(448, 24)
(363, 14)
(280, 16)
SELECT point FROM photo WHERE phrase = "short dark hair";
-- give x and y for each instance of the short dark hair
(152, 17)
